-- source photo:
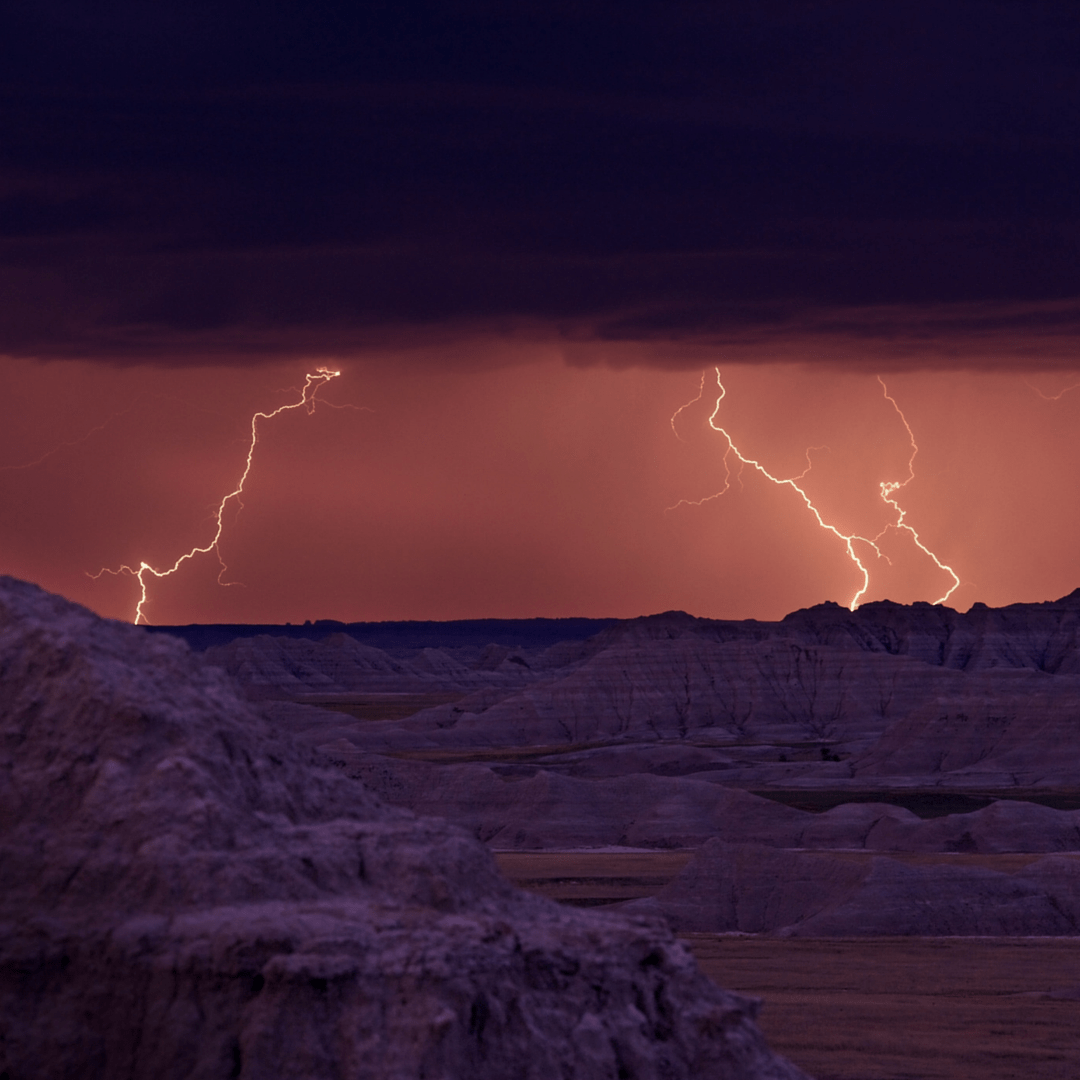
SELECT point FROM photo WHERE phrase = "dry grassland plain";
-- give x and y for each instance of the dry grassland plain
(911, 1008)
(867, 1008)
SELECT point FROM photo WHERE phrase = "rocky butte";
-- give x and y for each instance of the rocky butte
(188, 891)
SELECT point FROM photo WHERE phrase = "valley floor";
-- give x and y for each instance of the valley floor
(911, 1008)
(601, 878)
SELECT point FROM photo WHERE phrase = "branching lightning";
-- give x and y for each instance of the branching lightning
(313, 381)
(888, 489)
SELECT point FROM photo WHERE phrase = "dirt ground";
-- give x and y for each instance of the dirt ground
(592, 878)
(867, 1008)
(596, 878)
(911, 1008)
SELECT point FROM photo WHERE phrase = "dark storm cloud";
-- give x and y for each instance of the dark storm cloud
(244, 179)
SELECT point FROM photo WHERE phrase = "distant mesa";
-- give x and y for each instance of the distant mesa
(527, 633)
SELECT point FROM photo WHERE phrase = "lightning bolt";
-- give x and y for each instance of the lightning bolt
(313, 381)
(683, 408)
(888, 489)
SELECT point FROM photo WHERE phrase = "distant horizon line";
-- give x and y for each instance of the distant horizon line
(1075, 594)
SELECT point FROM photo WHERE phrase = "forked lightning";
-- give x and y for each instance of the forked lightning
(312, 382)
(888, 489)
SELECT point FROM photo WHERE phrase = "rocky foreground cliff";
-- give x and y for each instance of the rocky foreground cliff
(186, 892)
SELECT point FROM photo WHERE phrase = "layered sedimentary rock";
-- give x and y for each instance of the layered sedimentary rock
(990, 698)
(269, 666)
(186, 893)
(686, 686)
(1015, 727)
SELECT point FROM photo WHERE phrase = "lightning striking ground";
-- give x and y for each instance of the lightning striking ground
(313, 381)
(888, 489)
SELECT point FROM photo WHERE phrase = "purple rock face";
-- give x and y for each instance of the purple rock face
(645, 734)
(916, 695)
(186, 894)
(754, 889)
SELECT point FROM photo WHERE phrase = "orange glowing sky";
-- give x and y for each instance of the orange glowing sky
(521, 232)
(521, 485)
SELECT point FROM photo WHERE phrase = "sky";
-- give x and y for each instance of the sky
(527, 235)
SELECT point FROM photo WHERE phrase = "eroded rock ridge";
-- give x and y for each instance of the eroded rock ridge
(186, 893)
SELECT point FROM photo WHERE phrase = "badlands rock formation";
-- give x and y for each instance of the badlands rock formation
(549, 810)
(884, 699)
(187, 893)
(269, 666)
(895, 695)
(755, 889)
(654, 732)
